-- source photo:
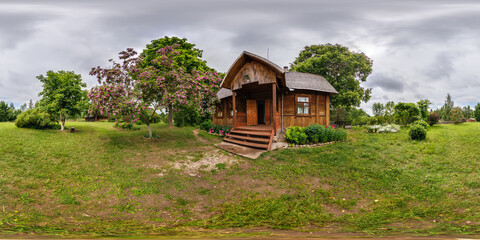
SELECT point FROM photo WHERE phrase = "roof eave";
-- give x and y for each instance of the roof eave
(235, 67)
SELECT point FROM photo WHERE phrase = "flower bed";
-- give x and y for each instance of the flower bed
(390, 128)
(211, 128)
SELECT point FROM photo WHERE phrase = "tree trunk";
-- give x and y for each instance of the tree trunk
(62, 122)
(149, 130)
(170, 116)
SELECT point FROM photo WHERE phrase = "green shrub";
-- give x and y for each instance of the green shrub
(206, 125)
(296, 135)
(126, 125)
(35, 118)
(417, 132)
(314, 132)
(218, 129)
(339, 135)
(187, 116)
(433, 118)
(421, 123)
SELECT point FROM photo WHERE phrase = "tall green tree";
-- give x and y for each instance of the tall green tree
(446, 108)
(188, 58)
(389, 112)
(476, 112)
(467, 112)
(342, 68)
(6, 112)
(423, 106)
(378, 109)
(62, 94)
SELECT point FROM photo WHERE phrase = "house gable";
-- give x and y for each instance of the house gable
(251, 72)
(249, 68)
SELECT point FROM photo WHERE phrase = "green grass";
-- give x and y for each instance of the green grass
(103, 181)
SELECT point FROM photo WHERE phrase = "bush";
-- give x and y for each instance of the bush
(206, 125)
(433, 118)
(315, 132)
(35, 118)
(421, 123)
(126, 125)
(417, 132)
(187, 116)
(218, 129)
(296, 135)
(339, 135)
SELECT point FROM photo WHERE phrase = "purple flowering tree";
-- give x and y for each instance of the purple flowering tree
(132, 92)
(175, 86)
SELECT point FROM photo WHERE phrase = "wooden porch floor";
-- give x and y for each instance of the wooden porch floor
(257, 127)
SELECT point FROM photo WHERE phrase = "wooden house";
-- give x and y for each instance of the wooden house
(257, 98)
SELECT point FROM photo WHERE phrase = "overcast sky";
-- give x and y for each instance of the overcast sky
(420, 49)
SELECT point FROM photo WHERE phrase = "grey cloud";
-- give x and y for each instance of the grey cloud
(442, 67)
(386, 82)
(16, 28)
(95, 31)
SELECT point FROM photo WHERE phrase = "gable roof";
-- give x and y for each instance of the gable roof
(308, 81)
(292, 80)
(241, 60)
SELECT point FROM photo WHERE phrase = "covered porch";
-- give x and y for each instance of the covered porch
(256, 105)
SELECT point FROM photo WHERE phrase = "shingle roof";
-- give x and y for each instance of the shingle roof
(308, 81)
(223, 93)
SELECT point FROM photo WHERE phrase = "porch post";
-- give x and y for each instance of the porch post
(234, 109)
(274, 105)
(327, 110)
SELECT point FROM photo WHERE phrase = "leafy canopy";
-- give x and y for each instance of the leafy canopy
(185, 61)
(342, 68)
(423, 106)
(62, 93)
(476, 112)
(406, 112)
(8, 112)
(188, 57)
(133, 91)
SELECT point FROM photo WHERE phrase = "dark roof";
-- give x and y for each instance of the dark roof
(308, 81)
(240, 61)
(223, 93)
(292, 80)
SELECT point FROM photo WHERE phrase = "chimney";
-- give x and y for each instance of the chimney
(285, 68)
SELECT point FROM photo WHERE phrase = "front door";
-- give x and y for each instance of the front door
(252, 118)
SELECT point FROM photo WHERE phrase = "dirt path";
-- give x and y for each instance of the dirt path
(200, 139)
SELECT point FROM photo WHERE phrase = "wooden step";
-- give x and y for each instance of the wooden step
(255, 129)
(249, 144)
(256, 139)
(256, 133)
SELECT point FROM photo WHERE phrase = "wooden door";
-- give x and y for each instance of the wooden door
(252, 118)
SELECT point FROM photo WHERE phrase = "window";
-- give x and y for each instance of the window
(219, 110)
(230, 109)
(303, 105)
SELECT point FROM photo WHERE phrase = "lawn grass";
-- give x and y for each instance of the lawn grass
(104, 181)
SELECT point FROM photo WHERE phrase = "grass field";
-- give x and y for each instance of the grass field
(102, 181)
